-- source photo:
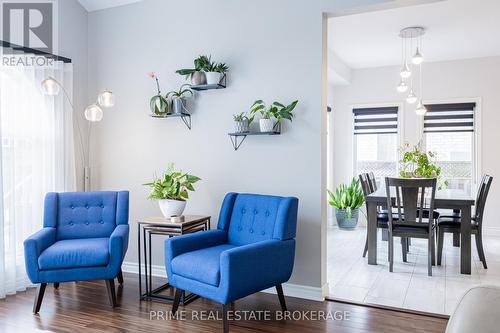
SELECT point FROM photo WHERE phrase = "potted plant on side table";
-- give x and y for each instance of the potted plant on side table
(171, 191)
(347, 200)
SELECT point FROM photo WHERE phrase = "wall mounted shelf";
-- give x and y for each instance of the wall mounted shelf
(238, 138)
(186, 117)
(220, 85)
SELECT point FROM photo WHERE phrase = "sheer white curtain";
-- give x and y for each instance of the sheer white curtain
(36, 156)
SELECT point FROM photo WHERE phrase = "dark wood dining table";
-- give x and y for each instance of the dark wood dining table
(445, 199)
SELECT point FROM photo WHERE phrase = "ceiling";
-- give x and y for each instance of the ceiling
(456, 29)
(92, 5)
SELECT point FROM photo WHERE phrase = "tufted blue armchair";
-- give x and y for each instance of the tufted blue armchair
(252, 249)
(84, 237)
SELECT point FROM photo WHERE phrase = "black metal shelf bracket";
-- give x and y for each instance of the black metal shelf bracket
(237, 138)
(185, 117)
(234, 140)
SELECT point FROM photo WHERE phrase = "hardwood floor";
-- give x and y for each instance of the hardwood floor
(84, 307)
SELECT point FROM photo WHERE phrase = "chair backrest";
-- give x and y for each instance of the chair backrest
(365, 184)
(413, 197)
(250, 218)
(85, 214)
(482, 194)
(372, 181)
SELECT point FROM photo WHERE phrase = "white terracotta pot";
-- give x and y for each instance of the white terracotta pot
(212, 77)
(171, 208)
(266, 125)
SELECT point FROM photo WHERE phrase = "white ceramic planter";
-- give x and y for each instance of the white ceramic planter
(171, 208)
(266, 125)
(212, 77)
(241, 126)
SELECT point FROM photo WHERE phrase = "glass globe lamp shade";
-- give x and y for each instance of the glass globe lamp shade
(93, 113)
(402, 87)
(106, 99)
(50, 87)
(405, 71)
(411, 98)
(420, 110)
(417, 59)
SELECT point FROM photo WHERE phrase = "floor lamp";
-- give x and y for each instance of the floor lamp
(93, 113)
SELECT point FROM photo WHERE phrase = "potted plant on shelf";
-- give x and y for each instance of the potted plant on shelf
(242, 122)
(347, 200)
(171, 191)
(179, 98)
(205, 71)
(417, 163)
(158, 104)
(272, 115)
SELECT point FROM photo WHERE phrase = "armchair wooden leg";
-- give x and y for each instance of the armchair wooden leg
(110, 285)
(119, 277)
(40, 290)
(177, 300)
(281, 296)
(56, 285)
(225, 321)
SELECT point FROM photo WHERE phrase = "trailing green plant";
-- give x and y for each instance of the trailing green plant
(181, 92)
(203, 64)
(417, 163)
(277, 110)
(158, 104)
(244, 117)
(348, 197)
(173, 185)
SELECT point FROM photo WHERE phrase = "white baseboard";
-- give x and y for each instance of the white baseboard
(289, 289)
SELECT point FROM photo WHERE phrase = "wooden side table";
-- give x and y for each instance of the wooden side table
(163, 226)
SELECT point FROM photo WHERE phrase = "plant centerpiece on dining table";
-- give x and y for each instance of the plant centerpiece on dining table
(172, 190)
(347, 200)
(418, 163)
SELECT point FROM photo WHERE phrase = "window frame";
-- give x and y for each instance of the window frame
(400, 129)
(476, 137)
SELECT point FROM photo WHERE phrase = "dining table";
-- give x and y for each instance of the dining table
(457, 200)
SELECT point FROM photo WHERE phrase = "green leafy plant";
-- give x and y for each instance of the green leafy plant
(158, 104)
(173, 185)
(417, 163)
(181, 92)
(348, 197)
(203, 64)
(243, 117)
(277, 110)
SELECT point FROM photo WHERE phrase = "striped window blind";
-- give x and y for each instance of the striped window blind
(457, 117)
(381, 120)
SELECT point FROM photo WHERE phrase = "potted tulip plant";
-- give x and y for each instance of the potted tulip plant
(271, 116)
(179, 98)
(171, 191)
(347, 200)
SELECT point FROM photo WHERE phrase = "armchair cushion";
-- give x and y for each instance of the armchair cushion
(201, 265)
(73, 253)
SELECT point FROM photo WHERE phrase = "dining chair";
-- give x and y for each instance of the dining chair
(372, 181)
(451, 224)
(412, 197)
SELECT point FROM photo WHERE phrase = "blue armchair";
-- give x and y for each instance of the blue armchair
(252, 249)
(84, 237)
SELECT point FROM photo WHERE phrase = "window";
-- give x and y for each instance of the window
(449, 131)
(376, 140)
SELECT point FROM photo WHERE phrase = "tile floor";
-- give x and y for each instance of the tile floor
(351, 278)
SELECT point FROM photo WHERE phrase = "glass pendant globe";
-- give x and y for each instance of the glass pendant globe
(106, 99)
(405, 71)
(420, 110)
(417, 59)
(50, 87)
(402, 87)
(93, 113)
(411, 98)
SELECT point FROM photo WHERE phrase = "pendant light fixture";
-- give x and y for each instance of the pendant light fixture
(408, 36)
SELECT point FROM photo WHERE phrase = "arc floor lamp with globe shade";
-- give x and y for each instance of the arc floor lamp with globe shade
(93, 113)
